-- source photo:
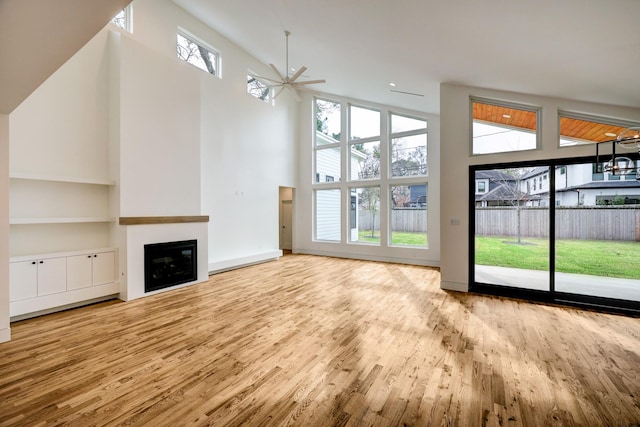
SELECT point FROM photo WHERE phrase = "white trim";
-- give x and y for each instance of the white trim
(366, 257)
(5, 335)
(454, 286)
(233, 263)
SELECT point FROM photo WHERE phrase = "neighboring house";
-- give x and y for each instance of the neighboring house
(576, 185)
(328, 203)
(417, 196)
(535, 184)
(582, 185)
(494, 188)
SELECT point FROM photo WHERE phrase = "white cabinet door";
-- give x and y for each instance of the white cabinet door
(23, 280)
(52, 276)
(79, 271)
(104, 268)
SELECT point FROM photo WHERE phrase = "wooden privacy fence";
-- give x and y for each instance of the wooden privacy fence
(586, 223)
(411, 220)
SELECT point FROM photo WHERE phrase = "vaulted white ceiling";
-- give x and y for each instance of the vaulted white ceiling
(38, 36)
(586, 50)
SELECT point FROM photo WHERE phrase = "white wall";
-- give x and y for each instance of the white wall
(61, 130)
(5, 331)
(455, 124)
(159, 134)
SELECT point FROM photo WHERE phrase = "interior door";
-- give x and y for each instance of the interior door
(286, 224)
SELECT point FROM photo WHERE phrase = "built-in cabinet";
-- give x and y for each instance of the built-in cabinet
(56, 225)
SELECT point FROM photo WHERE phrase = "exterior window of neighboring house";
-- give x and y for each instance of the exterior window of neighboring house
(563, 170)
(579, 129)
(481, 187)
(259, 89)
(503, 127)
(384, 196)
(124, 19)
(197, 53)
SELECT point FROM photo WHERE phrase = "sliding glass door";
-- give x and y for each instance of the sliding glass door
(563, 230)
(511, 238)
(597, 230)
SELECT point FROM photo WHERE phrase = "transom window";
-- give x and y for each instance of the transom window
(259, 89)
(197, 53)
(124, 19)
(578, 129)
(503, 128)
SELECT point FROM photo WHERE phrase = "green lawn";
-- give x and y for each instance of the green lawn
(397, 238)
(592, 257)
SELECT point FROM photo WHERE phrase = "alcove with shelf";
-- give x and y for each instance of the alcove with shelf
(60, 243)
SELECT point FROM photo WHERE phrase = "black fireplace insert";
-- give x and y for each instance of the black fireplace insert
(169, 264)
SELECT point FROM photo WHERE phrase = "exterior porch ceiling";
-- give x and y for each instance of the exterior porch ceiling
(525, 120)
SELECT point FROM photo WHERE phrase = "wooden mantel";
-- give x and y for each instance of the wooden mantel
(142, 220)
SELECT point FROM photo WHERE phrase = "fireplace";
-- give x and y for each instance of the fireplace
(169, 264)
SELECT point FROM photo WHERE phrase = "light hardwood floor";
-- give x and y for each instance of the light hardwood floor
(314, 341)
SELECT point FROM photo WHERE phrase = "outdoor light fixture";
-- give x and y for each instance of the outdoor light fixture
(628, 139)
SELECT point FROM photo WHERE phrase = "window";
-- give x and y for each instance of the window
(366, 229)
(481, 187)
(258, 89)
(578, 129)
(503, 128)
(409, 215)
(123, 19)
(327, 140)
(197, 53)
(327, 215)
(383, 201)
(408, 146)
(364, 143)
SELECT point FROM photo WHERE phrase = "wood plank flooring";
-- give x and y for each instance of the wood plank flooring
(313, 341)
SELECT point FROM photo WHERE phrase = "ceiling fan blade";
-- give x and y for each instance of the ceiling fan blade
(278, 91)
(294, 93)
(267, 79)
(273, 67)
(310, 82)
(297, 74)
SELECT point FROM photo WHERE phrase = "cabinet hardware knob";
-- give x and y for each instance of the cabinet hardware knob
(33, 262)
(41, 262)
(95, 256)
(88, 256)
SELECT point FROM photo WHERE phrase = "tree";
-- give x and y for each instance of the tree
(370, 201)
(512, 194)
(324, 109)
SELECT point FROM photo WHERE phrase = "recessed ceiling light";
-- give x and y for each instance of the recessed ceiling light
(392, 84)
(506, 116)
(611, 134)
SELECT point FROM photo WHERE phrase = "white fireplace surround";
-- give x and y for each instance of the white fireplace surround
(132, 255)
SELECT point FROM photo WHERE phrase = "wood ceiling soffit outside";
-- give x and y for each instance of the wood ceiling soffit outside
(570, 128)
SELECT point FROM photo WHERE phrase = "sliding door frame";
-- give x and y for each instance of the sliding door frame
(551, 296)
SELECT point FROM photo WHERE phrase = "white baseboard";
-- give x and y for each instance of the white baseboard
(454, 286)
(410, 261)
(5, 335)
(218, 266)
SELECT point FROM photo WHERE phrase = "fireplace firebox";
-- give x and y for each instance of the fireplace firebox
(170, 264)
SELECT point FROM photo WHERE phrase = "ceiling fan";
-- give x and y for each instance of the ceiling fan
(291, 83)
